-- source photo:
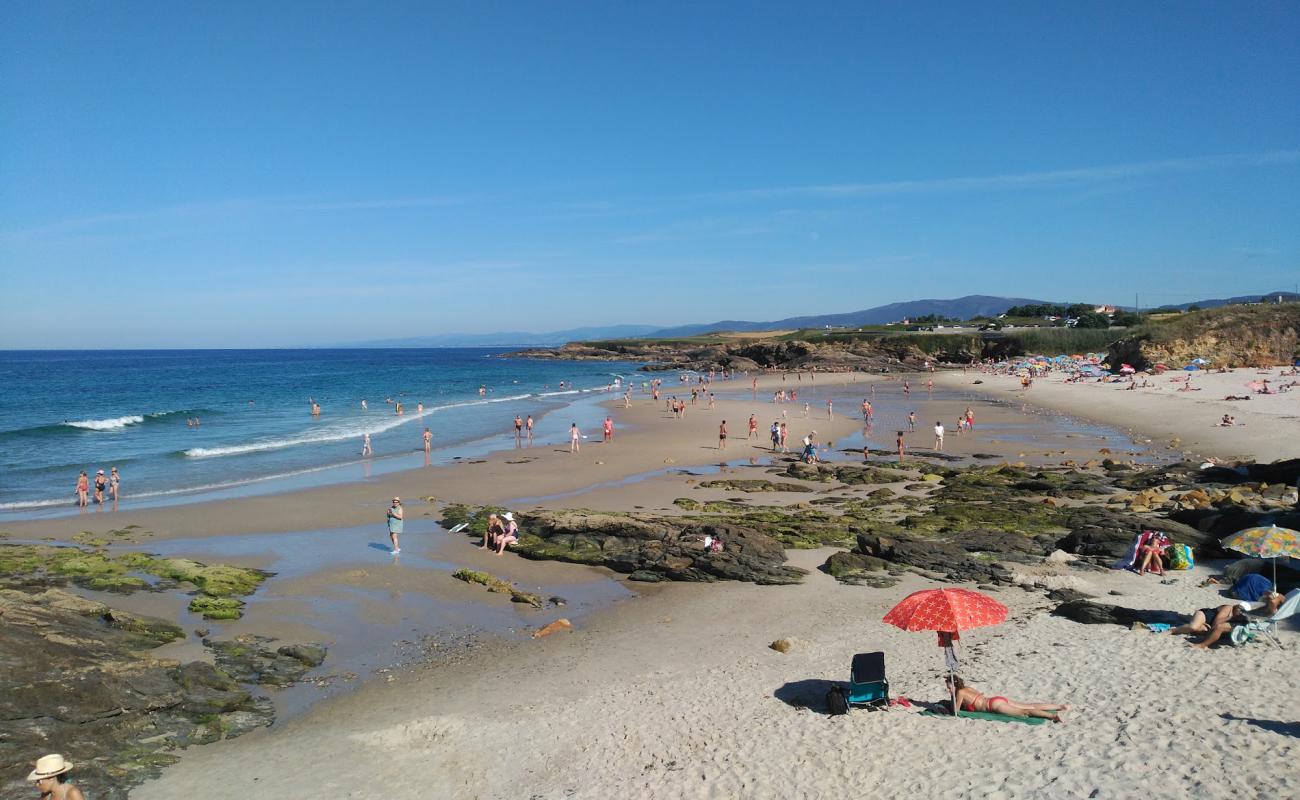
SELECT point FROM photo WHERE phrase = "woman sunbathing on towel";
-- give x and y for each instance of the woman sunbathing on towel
(970, 700)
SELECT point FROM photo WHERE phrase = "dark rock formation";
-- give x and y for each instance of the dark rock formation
(1090, 613)
(254, 659)
(1105, 535)
(76, 678)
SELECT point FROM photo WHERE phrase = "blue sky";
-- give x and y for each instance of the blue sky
(248, 174)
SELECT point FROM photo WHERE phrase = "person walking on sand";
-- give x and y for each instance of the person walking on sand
(51, 779)
(428, 441)
(574, 436)
(608, 430)
(898, 442)
(938, 436)
(753, 426)
(830, 409)
(395, 524)
(101, 483)
(785, 432)
(83, 483)
(722, 435)
(775, 432)
(970, 419)
(365, 446)
(114, 483)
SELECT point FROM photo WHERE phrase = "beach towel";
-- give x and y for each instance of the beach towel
(988, 715)
(1251, 586)
(1129, 561)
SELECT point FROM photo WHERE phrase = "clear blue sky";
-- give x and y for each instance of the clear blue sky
(243, 174)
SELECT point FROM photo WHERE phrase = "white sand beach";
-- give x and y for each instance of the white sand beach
(677, 694)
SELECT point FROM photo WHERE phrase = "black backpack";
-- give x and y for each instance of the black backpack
(837, 702)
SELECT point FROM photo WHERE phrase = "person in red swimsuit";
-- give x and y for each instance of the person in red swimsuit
(970, 700)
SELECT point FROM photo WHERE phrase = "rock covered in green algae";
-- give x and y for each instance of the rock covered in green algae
(217, 607)
(754, 485)
(670, 546)
(495, 584)
(253, 659)
(218, 584)
(77, 672)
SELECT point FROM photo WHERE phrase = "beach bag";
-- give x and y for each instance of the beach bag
(837, 703)
(1180, 557)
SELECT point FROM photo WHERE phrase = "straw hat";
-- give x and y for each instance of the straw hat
(510, 517)
(49, 766)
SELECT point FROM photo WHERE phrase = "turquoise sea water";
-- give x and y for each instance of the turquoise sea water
(63, 412)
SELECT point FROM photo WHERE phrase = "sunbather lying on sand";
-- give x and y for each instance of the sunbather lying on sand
(1215, 622)
(970, 700)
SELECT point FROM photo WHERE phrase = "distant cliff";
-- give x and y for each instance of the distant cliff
(1232, 336)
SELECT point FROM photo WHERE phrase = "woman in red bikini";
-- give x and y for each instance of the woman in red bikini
(970, 700)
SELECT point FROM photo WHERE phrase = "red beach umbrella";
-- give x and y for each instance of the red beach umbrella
(948, 611)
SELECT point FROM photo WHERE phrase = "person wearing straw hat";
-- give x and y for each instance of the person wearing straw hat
(51, 776)
(511, 533)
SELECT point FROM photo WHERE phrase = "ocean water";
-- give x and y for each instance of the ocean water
(63, 412)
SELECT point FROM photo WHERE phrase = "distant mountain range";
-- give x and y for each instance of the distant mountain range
(960, 308)
(975, 305)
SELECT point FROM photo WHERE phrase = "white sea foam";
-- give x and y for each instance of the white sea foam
(114, 424)
(341, 433)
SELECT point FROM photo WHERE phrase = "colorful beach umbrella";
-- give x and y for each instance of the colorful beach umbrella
(949, 612)
(1266, 541)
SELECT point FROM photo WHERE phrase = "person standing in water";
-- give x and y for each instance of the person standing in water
(528, 426)
(898, 441)
(114, 483)
(83, 490)
(911, 420)
(364, 407)
(428, 441)
(101, 483)
(395, 524)
(365, 446)
(519, 430)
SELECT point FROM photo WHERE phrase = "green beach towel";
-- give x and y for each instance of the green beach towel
(988, 715)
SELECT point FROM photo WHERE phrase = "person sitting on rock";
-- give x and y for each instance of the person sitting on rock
(509, 534)
(51, 778)
(492, 532)
(968, 699)
(1215, 622)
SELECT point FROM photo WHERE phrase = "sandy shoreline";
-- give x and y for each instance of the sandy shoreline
(1267, 426)
(676, 693)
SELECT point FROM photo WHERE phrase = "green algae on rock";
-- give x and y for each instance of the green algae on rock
(217, 607)
(495, 584)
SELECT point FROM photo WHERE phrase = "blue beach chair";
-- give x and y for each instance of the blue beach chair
(867, 685)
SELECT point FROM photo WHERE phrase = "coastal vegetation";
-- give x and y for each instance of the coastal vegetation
(1240, 335)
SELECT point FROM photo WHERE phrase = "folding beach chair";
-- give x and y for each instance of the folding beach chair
(1268, 627)
(867, 685)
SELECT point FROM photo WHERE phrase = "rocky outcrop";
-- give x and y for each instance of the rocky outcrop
(1090, 613)
(648, 547)
(77, 678)
(255, 659)
(1232, 336)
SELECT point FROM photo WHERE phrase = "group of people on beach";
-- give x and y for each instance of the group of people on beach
(107, 487)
